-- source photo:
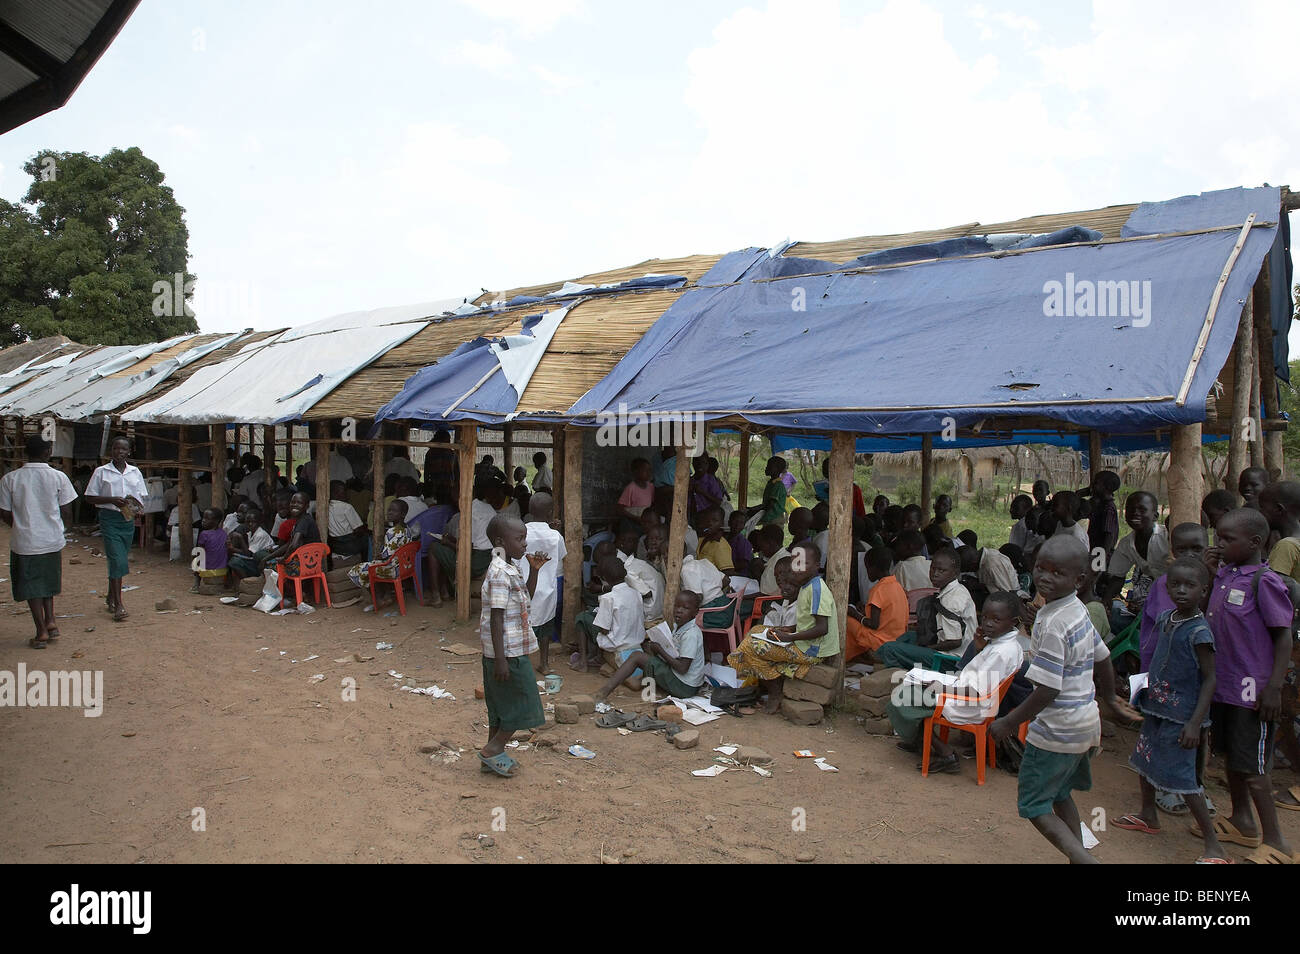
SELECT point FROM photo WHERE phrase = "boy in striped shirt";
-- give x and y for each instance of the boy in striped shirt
(1067, 655)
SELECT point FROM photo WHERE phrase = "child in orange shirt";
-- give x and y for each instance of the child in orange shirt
(885, 617)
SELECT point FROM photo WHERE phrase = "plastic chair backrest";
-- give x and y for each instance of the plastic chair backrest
(405, 558)
(311, 557)
(1003, 688)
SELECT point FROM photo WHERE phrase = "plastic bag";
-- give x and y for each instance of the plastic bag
(270, 600)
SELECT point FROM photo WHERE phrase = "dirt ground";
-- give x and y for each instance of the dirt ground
(213, 708)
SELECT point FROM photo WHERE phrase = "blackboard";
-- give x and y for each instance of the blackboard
(605, 472)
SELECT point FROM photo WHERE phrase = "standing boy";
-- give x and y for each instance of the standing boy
(1067, 655)
(36, 500)
(509, 682)
(543, 538)
(1249, 612)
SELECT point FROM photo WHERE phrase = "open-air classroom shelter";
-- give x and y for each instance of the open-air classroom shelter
(1106, 330)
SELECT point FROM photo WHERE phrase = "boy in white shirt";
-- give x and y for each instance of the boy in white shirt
(955, 618)
(641, 576)
(911, 569)
(543, 538)
(619, 623)
(679, 673)
(974, 697)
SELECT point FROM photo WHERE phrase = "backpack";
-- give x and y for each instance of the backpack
(928, 610)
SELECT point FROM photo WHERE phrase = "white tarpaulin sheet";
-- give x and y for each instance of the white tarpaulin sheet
(280, 378)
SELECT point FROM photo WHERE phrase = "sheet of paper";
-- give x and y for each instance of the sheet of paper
(1135, 685)
(763, 637)
(696, 717)
(710, 771)
(824, 765)
(1089, 839)
(919, 677)
(694, 702)
(662, 636)
(726, 749)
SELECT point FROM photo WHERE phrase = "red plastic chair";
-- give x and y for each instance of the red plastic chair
(979, 729)
(757, 613)
(731, 632)
(915, 596)
(405, 559)
(311, 566)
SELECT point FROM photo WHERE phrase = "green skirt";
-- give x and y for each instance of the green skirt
(35, 576)
(515, 703)
(117, 533)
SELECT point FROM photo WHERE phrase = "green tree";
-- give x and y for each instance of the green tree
(86, 251)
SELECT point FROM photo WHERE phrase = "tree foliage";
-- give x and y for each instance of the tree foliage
(81, 254)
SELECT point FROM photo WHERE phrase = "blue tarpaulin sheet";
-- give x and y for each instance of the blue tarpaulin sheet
(1094, 336)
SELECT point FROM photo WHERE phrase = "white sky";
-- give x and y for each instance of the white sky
(336, 156)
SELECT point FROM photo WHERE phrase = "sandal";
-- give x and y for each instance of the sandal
(52, 635)
(501, 764)
(1226, 831)
(1292, 806)
(36, 643)
(1171, 804)
(614, 719)
(120, 615)
(1135, 823)
(1268, 855)
(1203, 860)
(643, 723)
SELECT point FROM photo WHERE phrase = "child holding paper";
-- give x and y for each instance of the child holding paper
(679, 672)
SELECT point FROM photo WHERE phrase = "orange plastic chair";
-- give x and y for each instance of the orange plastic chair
(311, 566)
(915, 596)
(757, 613)
(405, 559)
(979, 729)
(731, 632)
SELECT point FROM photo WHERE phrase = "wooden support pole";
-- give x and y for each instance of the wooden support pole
(566, 460)
(217, 452)
(742, 479)
(468, 438)
(1243, 353)
(185, 502)
(376, 496)
(1186, 484)
(839, 544)
(677, 529)
(322, 490)
(1094, 455)
(268, 445)
(508, 454)
(927, 474)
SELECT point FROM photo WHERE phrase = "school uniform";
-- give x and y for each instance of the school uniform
(997, 572)
(33, 494)
(647, 581)
(542, 538)
(689, 643)
(890, 598)
(913, 573)
(981, 676)
(115, 530)
(954, 598)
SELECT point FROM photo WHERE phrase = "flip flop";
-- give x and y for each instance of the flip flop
(36, 643)
(614, 719)
(120, 615)
(1294, 792)
(52, 635)
(1135, 823)
(643, 723)
(501, 764)
(1268, 855)
(1226, 831)
(1171, 804)
(1212, 861)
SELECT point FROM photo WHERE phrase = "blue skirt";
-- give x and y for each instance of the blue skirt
(1160, 760)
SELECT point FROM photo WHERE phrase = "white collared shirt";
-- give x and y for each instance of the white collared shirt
(108, 481)
(543, 539)
(647, 581)
(33, 494)
(983, 675)
(701, 576)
